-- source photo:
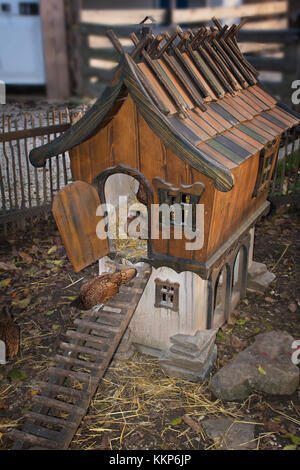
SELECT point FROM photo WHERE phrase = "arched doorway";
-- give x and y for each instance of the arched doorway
(128, 197)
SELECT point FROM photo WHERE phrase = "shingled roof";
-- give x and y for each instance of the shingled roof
(196, 91)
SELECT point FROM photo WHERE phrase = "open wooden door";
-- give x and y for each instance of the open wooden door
(74, 209)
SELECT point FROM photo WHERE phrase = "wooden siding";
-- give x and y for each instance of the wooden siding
(129, 140)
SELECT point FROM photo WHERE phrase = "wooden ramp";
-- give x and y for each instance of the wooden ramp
(65, 398)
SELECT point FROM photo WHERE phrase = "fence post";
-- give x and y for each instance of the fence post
(55, 48)
(294, 22)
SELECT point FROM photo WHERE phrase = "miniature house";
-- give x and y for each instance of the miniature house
(186, 121)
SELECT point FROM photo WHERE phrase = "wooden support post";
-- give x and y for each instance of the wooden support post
(172, 8)
(55, 48)
(293, 52)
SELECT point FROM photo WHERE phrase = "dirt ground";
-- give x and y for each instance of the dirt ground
(137, 406)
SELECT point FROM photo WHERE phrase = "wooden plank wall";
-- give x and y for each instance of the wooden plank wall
(141, 149)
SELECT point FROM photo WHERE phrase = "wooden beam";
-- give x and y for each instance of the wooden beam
(55, 48)
(280, 36)
(186, 15)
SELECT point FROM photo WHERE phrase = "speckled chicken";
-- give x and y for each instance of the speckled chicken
(99, 290)
(9, 333)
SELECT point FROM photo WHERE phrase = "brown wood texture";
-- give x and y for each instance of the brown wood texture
(129, 140)
(55, 48)
(74, 209)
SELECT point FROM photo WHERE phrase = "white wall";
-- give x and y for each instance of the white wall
(152, 327)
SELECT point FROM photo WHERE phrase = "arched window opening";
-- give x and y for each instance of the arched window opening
(219, 304)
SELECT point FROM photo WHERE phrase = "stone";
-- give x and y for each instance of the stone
(260, 283)
(190, 357)
(2, 352)
(198, 375)
(265, 366)
(256, 269)
(230, 435)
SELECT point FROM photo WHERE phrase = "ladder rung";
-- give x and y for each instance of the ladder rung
(76, 362)
(30, 438)
(72, 392)
(50, 419)
(59, 405)
(97, 326)
(85, 337)
(82, 349)
(81, 376)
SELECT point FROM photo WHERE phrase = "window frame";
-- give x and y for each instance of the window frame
(168, 288)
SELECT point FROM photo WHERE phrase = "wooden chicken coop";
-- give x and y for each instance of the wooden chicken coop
(184, 119)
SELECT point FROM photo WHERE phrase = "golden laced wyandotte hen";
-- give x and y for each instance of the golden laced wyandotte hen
(99, 290)
(9, 333)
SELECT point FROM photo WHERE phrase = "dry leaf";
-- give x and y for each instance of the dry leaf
(192, 424)
(8, 267)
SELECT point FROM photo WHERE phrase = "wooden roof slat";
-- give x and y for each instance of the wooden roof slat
(267, 125)
(155, 90)
(202, 123)
(281, 117)
(275, 121)
(245, 144)
(227, 115)
(232, 102)
(162, 77)
(177, 83)
(212, 153)
(244, 105)
(265, 94)
(225, 151)
(292, 120)
(181, 75)
(204, 70)
(221, 64)
(233, 146)
(232, 67)
(259, 99)
(213, 121)
(253, 101)
(202, 52)
(218, 117)
(251, 133)
(195, 128)
(246, 137)
(191, 72)
(233, 53)
(230, 108)
(267, 134)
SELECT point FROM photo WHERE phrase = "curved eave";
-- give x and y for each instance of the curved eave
(98, 116)
(178, 143)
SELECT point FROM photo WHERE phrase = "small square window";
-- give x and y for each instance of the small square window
(166, 295)
(5, 7)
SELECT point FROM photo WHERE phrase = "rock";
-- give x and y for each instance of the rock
(260, 283)
(265, 366)
(190, 357)
(256, 269)
(293, 307)
(229, 434)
